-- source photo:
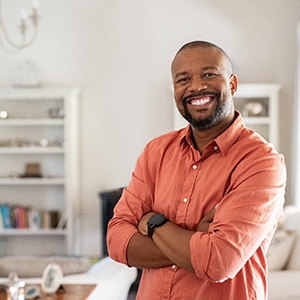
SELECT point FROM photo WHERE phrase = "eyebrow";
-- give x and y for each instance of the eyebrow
(203, 69)
(210, 68)
(180, 74)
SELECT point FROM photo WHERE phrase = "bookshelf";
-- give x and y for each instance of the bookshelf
(40, 132)
(258, 104)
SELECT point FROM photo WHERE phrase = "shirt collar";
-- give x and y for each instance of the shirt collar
(225, 140)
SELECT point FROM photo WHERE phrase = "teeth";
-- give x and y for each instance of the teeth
(200, 101)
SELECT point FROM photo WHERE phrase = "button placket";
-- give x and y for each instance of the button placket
(188, 186)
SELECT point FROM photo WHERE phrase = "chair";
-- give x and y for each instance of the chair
(108, 201)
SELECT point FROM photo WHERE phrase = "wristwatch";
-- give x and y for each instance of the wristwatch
(156, 220)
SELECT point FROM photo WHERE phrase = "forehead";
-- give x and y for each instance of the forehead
(199, 58)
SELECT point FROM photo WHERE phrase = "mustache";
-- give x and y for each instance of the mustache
(200, 94)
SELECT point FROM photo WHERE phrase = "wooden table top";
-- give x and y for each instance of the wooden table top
(70, 292)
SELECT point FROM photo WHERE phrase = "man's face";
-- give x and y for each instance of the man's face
(203, 86)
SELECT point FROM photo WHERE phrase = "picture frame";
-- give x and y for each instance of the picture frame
(52, 278)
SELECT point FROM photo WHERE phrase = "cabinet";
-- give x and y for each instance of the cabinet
(39, 174)
(258, 104)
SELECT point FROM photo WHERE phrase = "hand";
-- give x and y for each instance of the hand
(142, 225)
(204, 223)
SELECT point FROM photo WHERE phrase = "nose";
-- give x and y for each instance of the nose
(197, 84)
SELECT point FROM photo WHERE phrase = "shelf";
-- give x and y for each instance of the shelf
(32, 232)
(32, 181)
(32, 122)
(31, 150)
(34, 133)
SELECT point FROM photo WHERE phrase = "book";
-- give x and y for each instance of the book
(21, 216)
(1, 221)
(5, 210)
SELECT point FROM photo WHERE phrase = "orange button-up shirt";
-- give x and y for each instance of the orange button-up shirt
(242, 176)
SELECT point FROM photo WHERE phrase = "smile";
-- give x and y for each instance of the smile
(200, 101)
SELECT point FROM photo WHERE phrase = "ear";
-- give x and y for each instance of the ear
(233, 84)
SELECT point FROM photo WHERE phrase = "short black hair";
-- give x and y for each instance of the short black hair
(205, 44)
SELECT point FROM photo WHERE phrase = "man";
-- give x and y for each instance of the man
(204, 201)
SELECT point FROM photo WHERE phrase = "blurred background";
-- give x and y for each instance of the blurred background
(119, 53)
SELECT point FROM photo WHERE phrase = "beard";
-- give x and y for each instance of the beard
(222, 110)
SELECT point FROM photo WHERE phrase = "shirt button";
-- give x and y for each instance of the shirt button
(216, 148)
(194, 167)
(174, 266)
(185, 200)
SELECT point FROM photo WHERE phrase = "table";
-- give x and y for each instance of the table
(71, 292)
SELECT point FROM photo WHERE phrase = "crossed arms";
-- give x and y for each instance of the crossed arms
(169, 244)
(241, 226)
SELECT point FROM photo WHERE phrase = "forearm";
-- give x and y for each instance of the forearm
(170, 244)
(174, 242)
(142, 252)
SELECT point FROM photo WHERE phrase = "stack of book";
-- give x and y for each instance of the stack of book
(20, 217)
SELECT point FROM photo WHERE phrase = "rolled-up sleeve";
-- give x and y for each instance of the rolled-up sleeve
(244, 219)
(133, 204)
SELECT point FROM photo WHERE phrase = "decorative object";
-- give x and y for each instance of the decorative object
(23, 143)
(14, 287)
(3, 114)
(56, 113)
(32, 292)
(32, 170)
(7, 43)
(52, 278)
(254, 109)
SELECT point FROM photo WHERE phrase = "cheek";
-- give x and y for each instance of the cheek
(229, 94)
(179, 105)
(177, 99)
(225, 91)
(178, 94)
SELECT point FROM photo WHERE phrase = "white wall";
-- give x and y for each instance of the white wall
(295, 168)
(120, 52)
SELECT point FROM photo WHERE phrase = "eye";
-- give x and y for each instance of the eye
(182, 80)
(209, 75)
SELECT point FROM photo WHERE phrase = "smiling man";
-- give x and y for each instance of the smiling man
(203, 201)
(204, 86)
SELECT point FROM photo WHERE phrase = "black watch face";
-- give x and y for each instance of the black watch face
(157, 219)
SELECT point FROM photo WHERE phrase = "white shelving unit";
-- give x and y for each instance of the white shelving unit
(263, 117)
(32, 133)
(258, 104)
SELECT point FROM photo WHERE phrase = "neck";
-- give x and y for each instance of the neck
(202, 138)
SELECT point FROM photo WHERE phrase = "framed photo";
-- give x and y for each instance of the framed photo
(52, 278)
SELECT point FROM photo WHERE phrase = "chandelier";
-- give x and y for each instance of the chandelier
(27, 23)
